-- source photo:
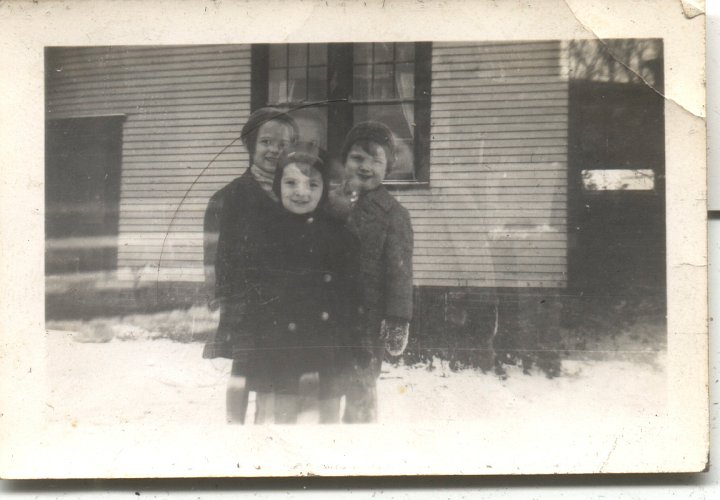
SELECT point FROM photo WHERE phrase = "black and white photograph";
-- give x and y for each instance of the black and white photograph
(489, 205)
(342, 237)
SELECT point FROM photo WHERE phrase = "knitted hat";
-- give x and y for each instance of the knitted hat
(367, 132)
(258, 119)
(306, 153)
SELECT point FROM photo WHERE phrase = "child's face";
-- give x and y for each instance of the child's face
(366, 171)
(301, 188)
(273, 137)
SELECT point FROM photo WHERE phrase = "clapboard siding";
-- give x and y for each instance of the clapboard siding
(495, 213)
(185, 107)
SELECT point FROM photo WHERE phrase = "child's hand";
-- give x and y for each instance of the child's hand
(394, 332)
(352, 189)
(341, 200)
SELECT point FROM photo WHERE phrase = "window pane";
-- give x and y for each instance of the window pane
(317, 86)
(404, 167)
(278, 56)
(618, 180)
(362, 53)
(361, 81)
(318, 54)
(277, 91)
(404, 52)
(383, 82)
(298, 54)
(405, 80)
(400, 119)
(297, 85)
(312, 123)
(383, 52)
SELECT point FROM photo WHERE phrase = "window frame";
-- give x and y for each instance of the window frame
(340, 102)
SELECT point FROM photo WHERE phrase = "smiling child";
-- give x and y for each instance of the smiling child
(386, 248)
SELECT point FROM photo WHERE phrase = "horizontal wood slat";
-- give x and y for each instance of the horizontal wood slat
(497, 74)
(491, 281)
(529, 120)
(498, 157)
(503, 113)
(498, 147)
(194, 103)
(544, 61)
(509, 134)
(449, 57)
(80, 54)
(480, 49)
(473, 89)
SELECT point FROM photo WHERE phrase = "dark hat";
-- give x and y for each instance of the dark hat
(257, 119)
(309, 154)
(371, 131)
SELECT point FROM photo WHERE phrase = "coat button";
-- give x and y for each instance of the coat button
(292, 327)
(324, 316)
(327, 278)
(310, 220)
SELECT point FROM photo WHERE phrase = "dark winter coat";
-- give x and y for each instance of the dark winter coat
(386, 249)
(289, 285)
(211, 228)
(308, 297)
(241, 207)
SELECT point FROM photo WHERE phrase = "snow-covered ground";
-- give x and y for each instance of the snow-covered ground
(149, 380)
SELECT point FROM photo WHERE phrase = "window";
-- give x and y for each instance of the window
(618, 180)
(297, 79)
(82, 193)
(328, 88)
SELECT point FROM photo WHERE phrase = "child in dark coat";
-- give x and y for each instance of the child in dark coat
(301, 295)
(307, 293)
(235, 213)
(386, 247)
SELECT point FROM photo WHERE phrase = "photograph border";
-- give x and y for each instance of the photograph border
(676, 442)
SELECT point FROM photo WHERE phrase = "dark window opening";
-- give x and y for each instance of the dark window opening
(328, 88)
(82, 193)
(616, 171)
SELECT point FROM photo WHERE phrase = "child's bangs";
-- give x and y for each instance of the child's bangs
(305, 162)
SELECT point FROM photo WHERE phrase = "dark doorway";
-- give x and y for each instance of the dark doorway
(82, 193)
(617, 189)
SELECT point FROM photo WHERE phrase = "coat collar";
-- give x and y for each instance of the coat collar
(249, 179)
(381, 198)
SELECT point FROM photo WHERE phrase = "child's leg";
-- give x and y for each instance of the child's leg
(329, 395)
(361, 401)
(361, 404)
(287, 407)
(309, 396)
(287, 400)
(264, 408)
(319, 401)
(330, 411)
(236, 400)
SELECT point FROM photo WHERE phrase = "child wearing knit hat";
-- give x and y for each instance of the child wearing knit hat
(386, 247)
(235, 213)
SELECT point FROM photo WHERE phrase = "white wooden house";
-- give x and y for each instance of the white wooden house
(503, 149)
